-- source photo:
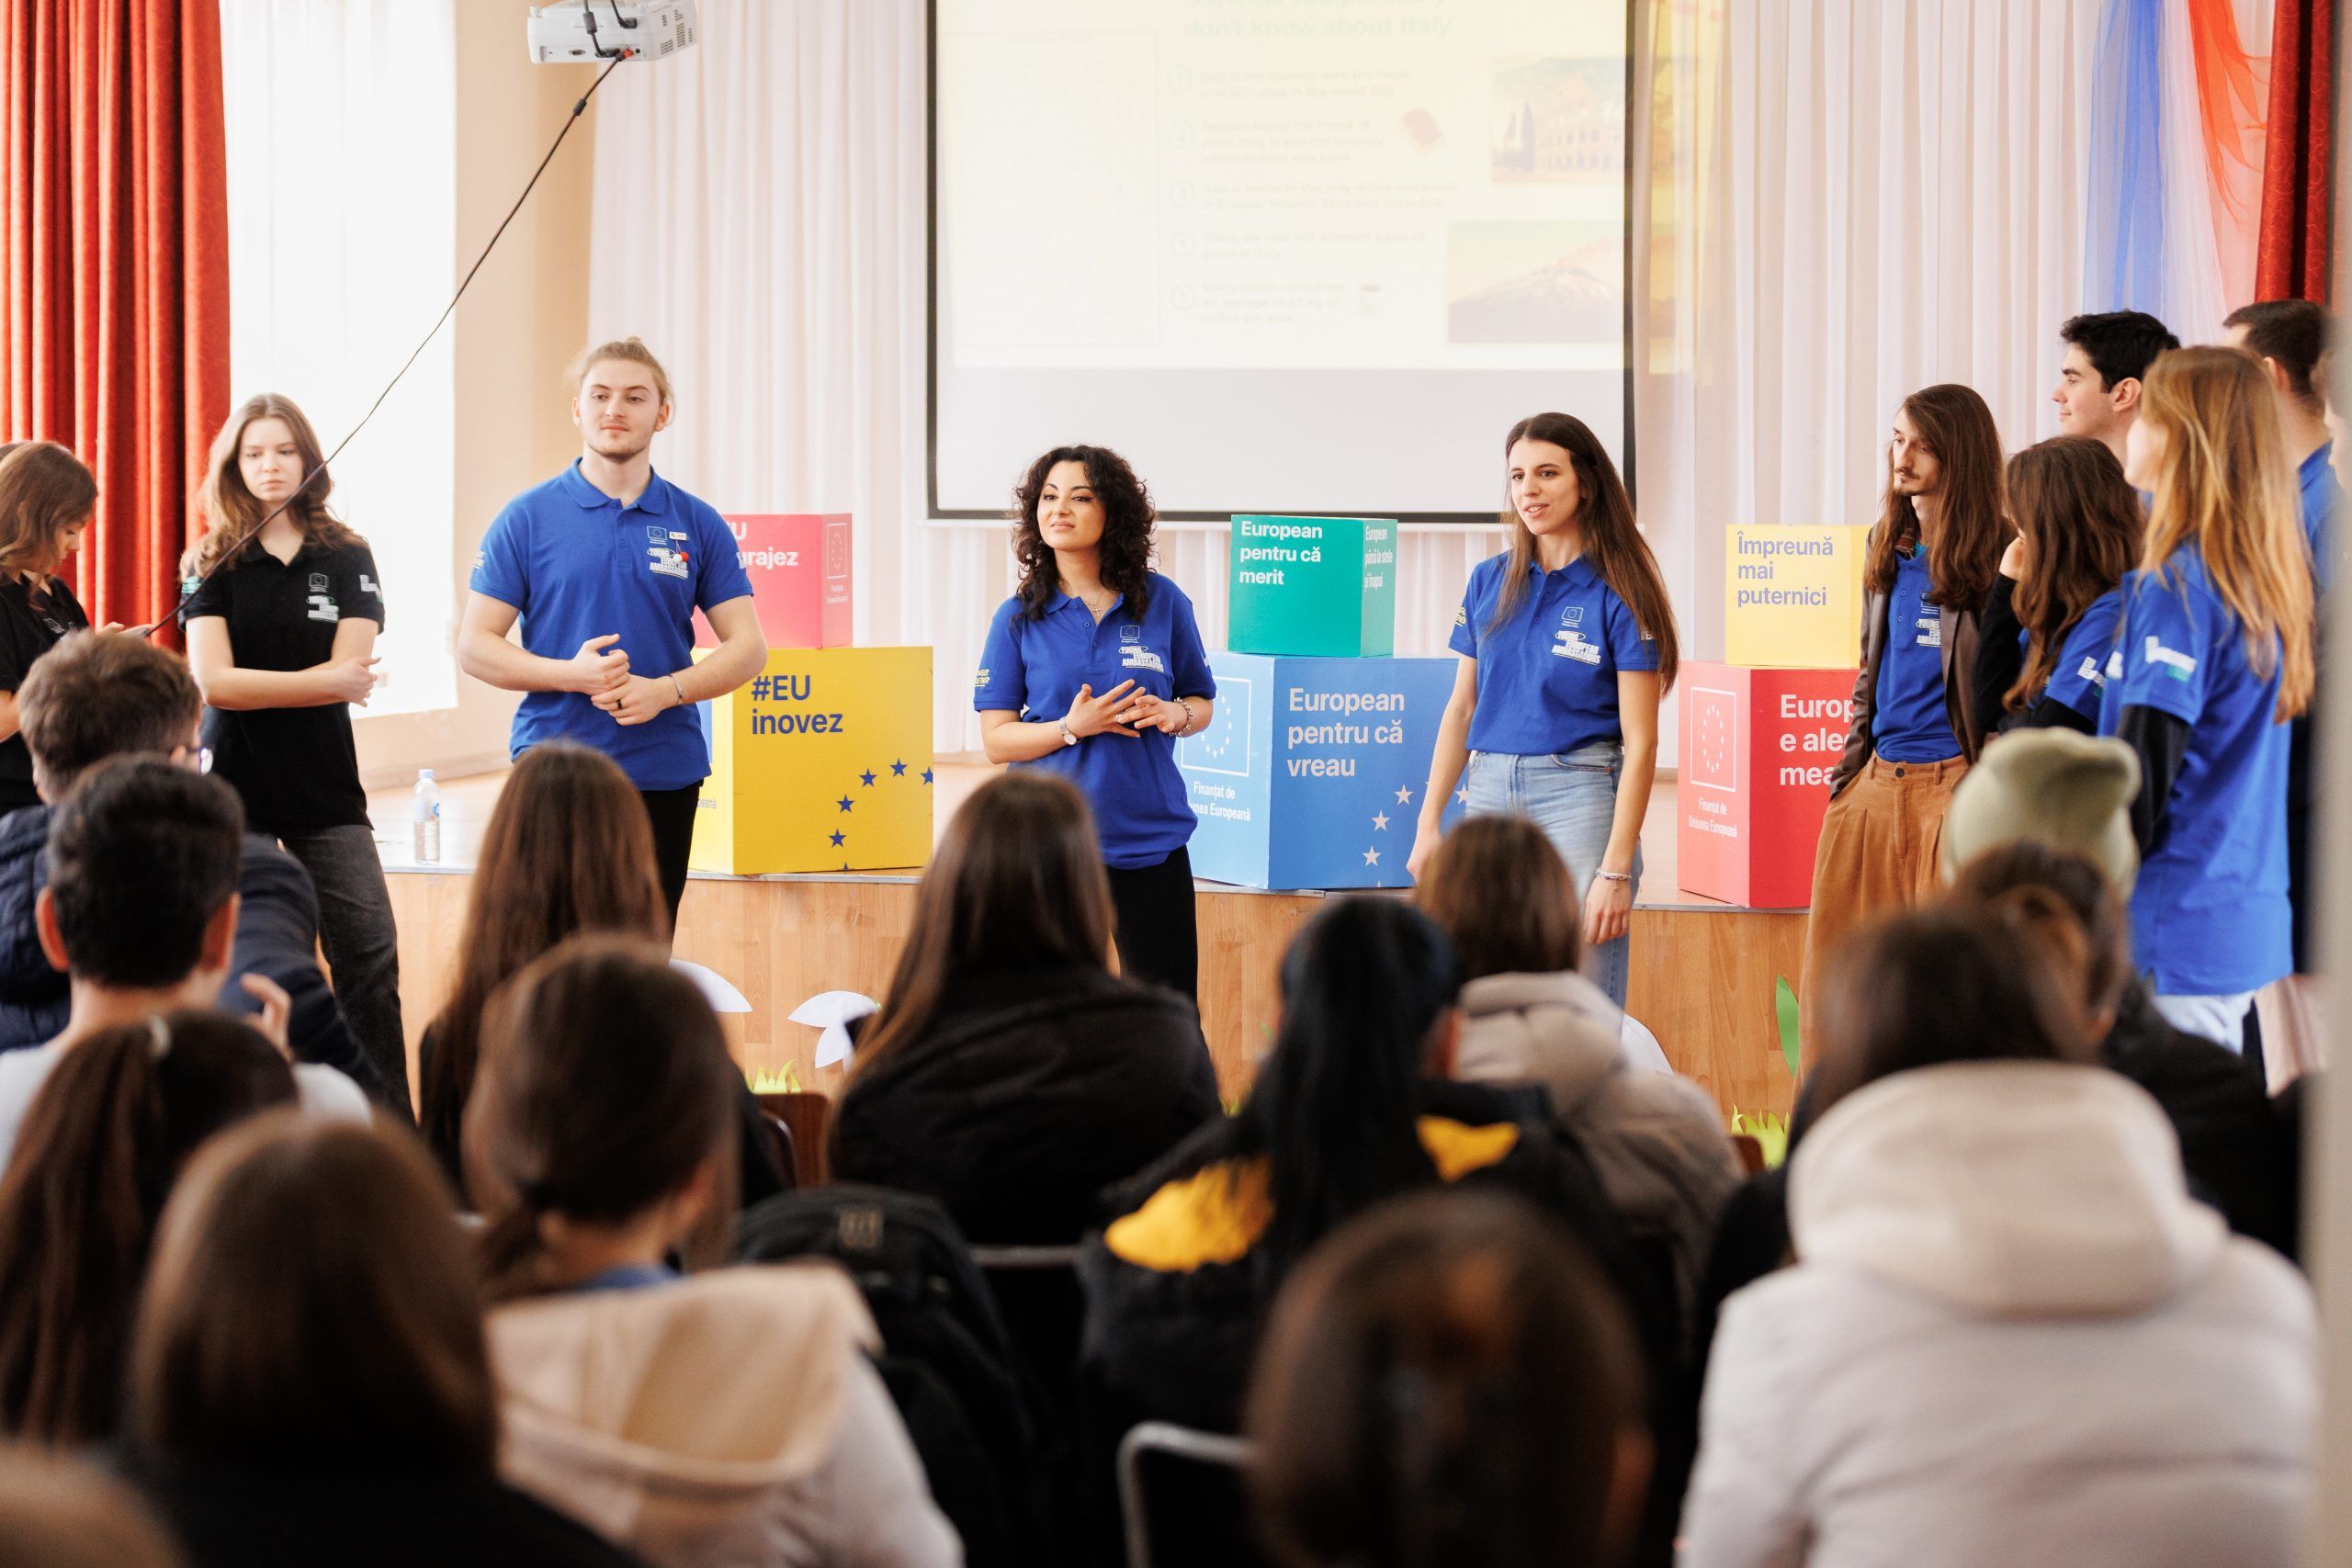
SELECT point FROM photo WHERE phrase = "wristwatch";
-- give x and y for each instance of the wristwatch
(1067, 738)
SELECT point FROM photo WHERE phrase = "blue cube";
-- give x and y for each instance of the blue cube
(1311, 774)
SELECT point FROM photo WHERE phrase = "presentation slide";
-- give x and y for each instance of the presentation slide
(1288, 255)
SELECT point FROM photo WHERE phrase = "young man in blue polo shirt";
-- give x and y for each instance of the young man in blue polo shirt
(605, 566)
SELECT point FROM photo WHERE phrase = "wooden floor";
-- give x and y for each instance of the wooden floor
(1702, 978)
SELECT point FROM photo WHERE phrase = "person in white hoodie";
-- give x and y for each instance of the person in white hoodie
(1500, 890)
(711, 1420)
(2010, 1336)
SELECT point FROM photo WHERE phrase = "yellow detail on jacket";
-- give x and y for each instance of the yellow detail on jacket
(1217, 1215)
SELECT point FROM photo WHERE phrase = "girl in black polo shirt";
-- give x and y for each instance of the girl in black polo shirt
(283, 642)
(45, 500)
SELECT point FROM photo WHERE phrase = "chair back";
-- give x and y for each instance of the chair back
(1183, 1497)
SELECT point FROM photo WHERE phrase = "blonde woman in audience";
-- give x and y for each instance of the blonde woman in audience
(1501, 892)
(309, 1383)
(2011, 1336)
(719, 1417)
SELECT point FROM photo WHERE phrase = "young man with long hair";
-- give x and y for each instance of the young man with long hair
(1094, 669)
(2213, 657)
(1567, 641)
(605, 565)
(281, 635)
(1931, 561)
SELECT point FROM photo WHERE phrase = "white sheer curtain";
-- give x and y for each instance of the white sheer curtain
(1847, 200)
(342, 143)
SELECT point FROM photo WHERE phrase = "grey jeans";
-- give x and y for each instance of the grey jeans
(361, 942)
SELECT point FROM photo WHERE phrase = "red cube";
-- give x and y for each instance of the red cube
(798, 564)
(1758, 748)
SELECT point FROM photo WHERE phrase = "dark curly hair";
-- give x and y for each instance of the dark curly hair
(1127, 529)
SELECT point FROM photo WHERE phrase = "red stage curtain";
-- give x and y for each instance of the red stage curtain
(114, 337)
(2291, 257)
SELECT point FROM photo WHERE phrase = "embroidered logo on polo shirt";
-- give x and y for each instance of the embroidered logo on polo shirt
(2177, 664)
(980, 681)
(2091, 671)
(666, 561)
(1133, 656)
(322, 604)
(1462, 615)
(367, 583)
(482, 559)
(1931, 631)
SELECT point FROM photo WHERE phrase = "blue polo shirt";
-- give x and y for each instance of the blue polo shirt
(578, 564)
(1547, 677)
(2080, 675)
(2208, 912)
(2322, 499)
(1032, 669)
(1909, 719)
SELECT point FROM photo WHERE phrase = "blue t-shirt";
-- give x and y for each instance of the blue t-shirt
(578, 564)
(1033, 670)
(2080, 674)
(2208, 912)
(1909, 722)
(1547, 677)
(2322, 499)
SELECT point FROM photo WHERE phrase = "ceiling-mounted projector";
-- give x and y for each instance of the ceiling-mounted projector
(582, 31)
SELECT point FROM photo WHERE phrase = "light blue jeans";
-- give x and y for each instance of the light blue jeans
(1572, 797)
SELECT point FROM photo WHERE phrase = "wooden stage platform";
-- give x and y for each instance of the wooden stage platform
(1703, 972)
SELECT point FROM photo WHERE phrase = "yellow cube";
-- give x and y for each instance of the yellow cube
(821, 762)
(1793, 597)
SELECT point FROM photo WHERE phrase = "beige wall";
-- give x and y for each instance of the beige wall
(525, 315)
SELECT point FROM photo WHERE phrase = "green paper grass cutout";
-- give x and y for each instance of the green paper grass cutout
(1784, 1008)
(776, 1080)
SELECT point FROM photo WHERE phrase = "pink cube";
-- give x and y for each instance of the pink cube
(798, 564)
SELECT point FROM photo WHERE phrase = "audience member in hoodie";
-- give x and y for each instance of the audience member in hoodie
(1448, 1380)
(2011, 1336)
(1500, 891)
(1009, 1074)
(95, 697)
(101, 1147)
(141, 912)
(567, 850)
(309, 1378)
(62, 1513)
(1353, 1106)
(719, 1417)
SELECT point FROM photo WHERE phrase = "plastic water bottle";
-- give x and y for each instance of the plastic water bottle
(425, 816)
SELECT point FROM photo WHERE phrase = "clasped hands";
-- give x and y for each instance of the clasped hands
(1125, 709)
(600, 672)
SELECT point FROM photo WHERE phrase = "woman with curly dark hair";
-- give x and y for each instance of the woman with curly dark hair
(1094, 669)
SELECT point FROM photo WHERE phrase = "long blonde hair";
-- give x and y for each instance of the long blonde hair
(229, 510)
(2224, 484)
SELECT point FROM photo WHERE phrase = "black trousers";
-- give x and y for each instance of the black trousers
(672, 812)
(1159, 941)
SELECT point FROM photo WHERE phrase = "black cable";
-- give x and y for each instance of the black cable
(189, 589)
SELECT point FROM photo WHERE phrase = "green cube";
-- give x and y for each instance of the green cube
(1313, 587)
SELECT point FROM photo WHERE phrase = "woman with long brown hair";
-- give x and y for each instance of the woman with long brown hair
(1929, 565)
(1568, 642)
(568, 849)
(281, 635)
(717, 1416)
(101, 1146)
(309, 1382)
(1093, 669)
(1009, 1074)
(47, 499)
(2213, 657)
(2049, 622)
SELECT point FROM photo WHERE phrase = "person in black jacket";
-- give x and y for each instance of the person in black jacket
(97, 696)
(310, 1377)
(1009, 1074)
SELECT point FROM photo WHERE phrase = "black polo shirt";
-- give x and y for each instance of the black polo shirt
(296, 767)
(30, 624)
